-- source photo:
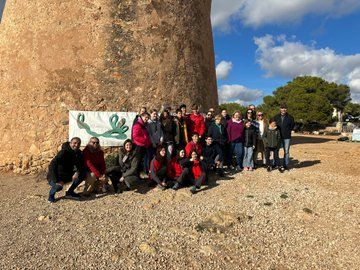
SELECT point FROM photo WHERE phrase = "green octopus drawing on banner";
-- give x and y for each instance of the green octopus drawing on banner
(117, 132)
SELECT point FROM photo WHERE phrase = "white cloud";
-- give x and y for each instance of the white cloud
(238, 93)
(223, 69)
(261, 12)
(281, 57)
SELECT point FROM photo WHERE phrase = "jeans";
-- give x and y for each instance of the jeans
(55, 187)
(248, 157)
(237, 148)
(144, 155)
(286, 146)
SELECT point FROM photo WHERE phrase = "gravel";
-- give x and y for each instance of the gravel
(305, 218)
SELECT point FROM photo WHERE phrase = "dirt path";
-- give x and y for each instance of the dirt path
(307, 218)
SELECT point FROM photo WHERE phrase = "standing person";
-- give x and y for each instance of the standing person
(126, 168)
(249, 145)
(213, 156)
(285, 123)
(158, 168)
(209, 120)
(95, 167)
(224, 118)
(169, 130)
(177, 171)
(61, 169)
(197, 122)
(272, 142)
(142, 142)
(180, 133)
(155, 132)
(141, 111)
(198, 171)
(194, 145)
(185, 122)
(263, 126)
(235, 131)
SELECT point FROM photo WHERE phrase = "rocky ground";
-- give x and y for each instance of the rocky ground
(306, 218)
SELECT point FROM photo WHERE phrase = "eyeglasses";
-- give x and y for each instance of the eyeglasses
(95, 142)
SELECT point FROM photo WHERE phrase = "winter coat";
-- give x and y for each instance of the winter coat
(155, 131)
(272, 138)
(235, 131)
(169, 129)
(94, 161)
(218, 133)
(62, 167)
(210, 152)
(129, 163)
(225, 120)
(140, 134)
(175, 167)
(208, 123)
(197, 124)
(285, 125)
(192, 146)
(155, 167)
(250, 136)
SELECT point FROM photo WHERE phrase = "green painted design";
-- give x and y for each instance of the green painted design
(118, 127)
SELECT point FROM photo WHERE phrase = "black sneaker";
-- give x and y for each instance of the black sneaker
(176, 186)
(268, 168)
(286, 168)
(281, 169)
(72, 195)
(193, 189)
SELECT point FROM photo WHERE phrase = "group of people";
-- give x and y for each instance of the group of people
(175, 149)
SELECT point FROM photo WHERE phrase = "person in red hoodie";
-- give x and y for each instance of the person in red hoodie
(158, 168)
(177, 171)
(141, 140)
(94, 165)
(198, 171)
(197, 122)
(194, 145)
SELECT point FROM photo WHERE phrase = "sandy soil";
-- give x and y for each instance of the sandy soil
(306, 218)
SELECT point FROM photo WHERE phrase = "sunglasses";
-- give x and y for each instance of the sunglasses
(95, 142)
(259, 115)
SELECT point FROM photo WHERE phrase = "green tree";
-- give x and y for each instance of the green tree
(232, 107)
(309, 99)
(352, 109)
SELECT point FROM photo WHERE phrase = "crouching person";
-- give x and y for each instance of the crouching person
(158, 168)
(198, 171)
(95, 166)
(61, 169)
(213, 156)
(177, 171)
(126, 168)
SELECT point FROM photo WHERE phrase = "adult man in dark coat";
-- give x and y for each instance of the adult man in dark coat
(65, 167)
(285, 123)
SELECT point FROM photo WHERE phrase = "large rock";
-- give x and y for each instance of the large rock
(96, 55)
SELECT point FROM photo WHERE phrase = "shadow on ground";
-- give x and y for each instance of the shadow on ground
(309, 140)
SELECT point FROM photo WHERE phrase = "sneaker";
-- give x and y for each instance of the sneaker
(51, 199)
(72, 195)
(250, 169)
(286, 168)
(231, 167)
(268, 168)
(176, 186)
(281, 169)
(193, 189)
(161, 187)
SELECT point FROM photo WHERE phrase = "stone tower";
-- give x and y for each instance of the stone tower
(102, 55)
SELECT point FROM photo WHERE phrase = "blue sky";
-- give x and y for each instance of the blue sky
(262, 44)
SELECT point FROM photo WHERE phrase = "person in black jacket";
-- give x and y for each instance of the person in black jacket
(285, 123)
(65, 167)
(213, 156)
(272, 142)
(126, 167)
(217, 131)
(250, 135)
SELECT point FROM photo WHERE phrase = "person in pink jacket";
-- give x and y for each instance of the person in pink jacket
(141, 139)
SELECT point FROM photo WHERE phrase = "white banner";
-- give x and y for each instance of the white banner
(112, 128)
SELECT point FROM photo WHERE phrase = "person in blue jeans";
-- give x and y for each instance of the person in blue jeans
(250, 135)
(235, 131)
(285, 123)
(65, 167)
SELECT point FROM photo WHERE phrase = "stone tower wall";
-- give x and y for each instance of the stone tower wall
(101, 55)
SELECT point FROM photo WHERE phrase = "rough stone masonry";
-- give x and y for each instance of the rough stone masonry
(101, 55)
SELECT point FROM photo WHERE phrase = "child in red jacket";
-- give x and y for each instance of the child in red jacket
(198, 171)
(197, 122)
(158, 168)
(194, 145)
(177, 171)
